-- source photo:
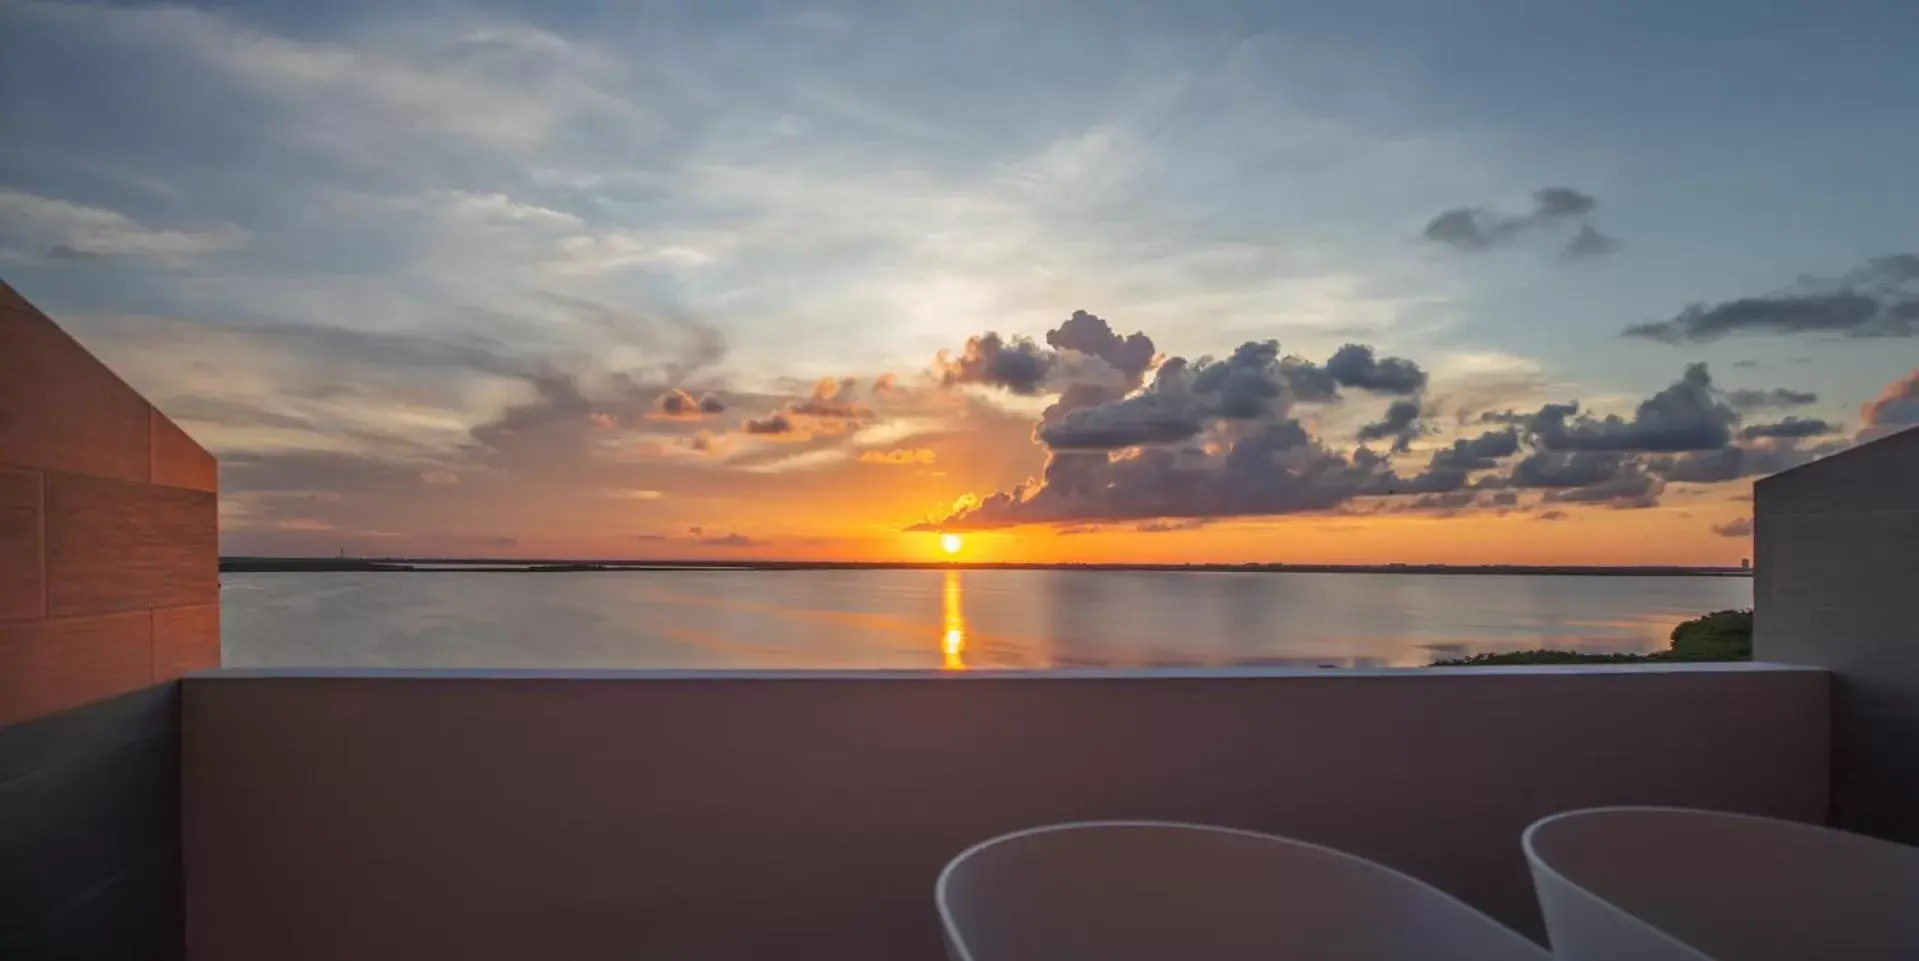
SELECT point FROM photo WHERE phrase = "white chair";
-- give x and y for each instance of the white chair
(1126, 890)
(1670, 884)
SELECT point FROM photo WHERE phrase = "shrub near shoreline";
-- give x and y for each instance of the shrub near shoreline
(1719, 636)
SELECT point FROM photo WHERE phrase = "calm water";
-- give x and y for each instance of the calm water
(901, 619)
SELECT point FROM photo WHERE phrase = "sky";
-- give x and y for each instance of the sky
(1485, 282)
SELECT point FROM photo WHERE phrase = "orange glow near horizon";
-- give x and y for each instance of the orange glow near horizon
(953, 642)
(879, 528)
(1679, 534)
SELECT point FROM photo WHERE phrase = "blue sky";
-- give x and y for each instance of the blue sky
(747, 197)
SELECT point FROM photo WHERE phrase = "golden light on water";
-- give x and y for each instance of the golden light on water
(953, 642)
(951, 543)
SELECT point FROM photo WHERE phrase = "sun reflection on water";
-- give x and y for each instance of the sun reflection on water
(953, 642)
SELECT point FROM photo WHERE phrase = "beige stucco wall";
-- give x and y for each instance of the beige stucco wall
(805, 815)
(1836, 571)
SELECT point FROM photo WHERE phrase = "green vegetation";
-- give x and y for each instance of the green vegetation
(1719, 636)
(1545, 657)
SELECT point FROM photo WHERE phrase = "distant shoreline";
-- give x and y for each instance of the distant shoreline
(263, 565)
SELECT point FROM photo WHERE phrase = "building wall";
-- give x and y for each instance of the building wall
(90, 832)
(109, 567)
(1836, 578)
(109, 589)
(806, 815)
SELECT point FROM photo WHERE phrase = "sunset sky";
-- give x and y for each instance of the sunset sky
(1104, 282)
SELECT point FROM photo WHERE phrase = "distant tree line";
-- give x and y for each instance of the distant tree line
(1719, 636)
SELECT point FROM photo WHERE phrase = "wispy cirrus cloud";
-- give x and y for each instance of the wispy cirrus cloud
(36, 226)
(501, 85)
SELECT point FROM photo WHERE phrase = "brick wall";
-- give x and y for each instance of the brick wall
(109, 568)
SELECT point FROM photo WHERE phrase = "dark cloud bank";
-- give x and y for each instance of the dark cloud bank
(1219, 437)
(1880, 299)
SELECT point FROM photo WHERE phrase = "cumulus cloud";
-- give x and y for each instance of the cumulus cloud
(1215, 438)
(1480, 453)
(1705, 467)
(1896, 407)
(1790, 427)
(771, 426)
(1689, 415)
(1738, 527)
(1355, 366)
(1176, 407)
(1146, 420)
(832, 399)
(1085, 363)
(1253, 384)
(1750, 399)
(1484, 228)
(1018, 365)
(1450, 468)
(1629, 485)
(1454, 503)
(1553, 203)
(827, 411)
(1310, 383)
(902, 456)
(1880, 299)
(1248, 385)
(1206, 438)
(1277, 470)
(1840, 312)
(1087, 334)
(1169, 526)
(1401, 423)
(1733, 463)
(1445, 504)
(1589, 242)
(677, 403)
(1567, 469)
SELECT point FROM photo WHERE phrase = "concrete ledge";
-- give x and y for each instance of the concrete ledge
(1049, 675)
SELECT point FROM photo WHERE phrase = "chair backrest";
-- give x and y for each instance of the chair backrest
(1114, 891)
(1671, 884)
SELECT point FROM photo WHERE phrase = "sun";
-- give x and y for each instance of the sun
(951, 543)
